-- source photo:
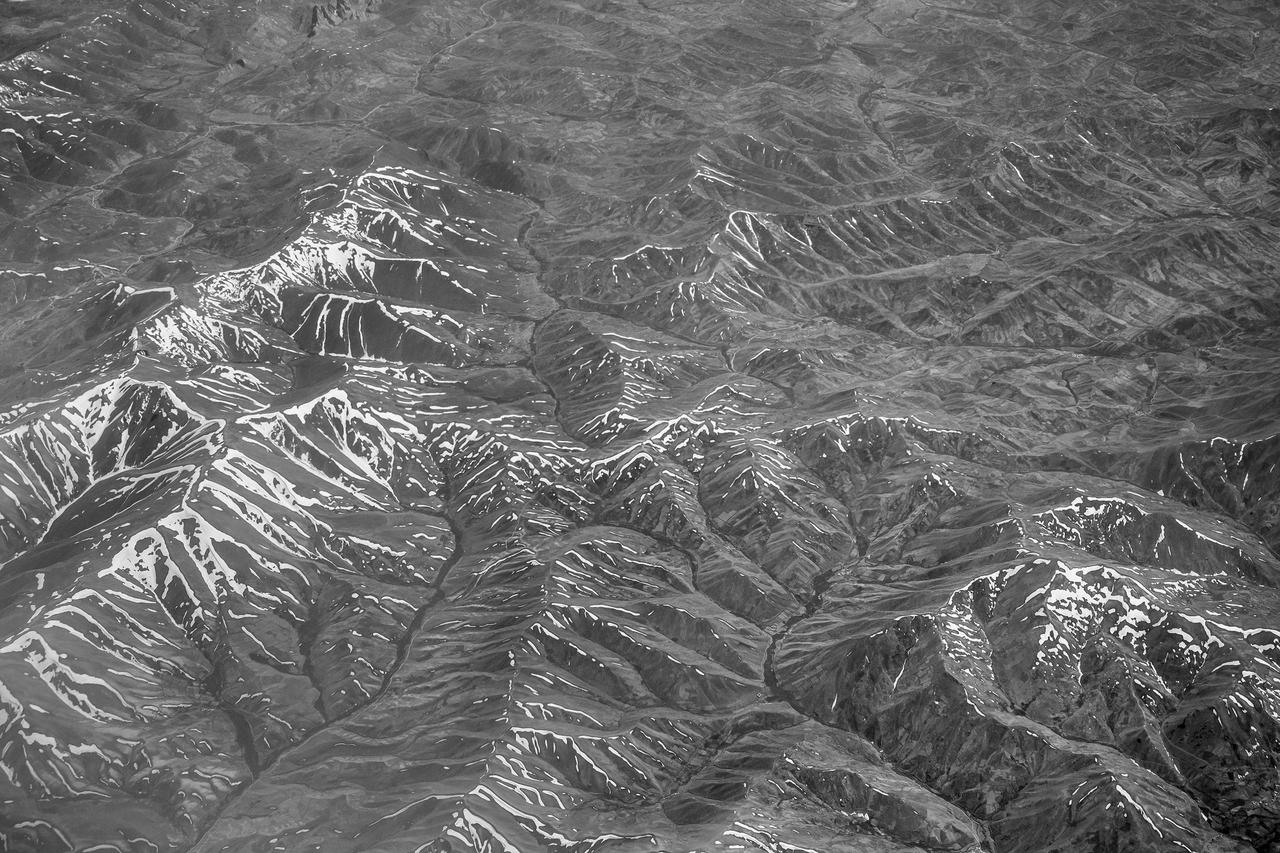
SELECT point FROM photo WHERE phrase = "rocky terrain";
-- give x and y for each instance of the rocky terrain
(639, 425)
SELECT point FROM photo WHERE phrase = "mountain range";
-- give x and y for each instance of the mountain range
(605, 426)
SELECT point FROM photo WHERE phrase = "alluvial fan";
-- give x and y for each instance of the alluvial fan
(639, 425)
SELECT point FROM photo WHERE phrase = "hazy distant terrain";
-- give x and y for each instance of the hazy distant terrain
(639, 425)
